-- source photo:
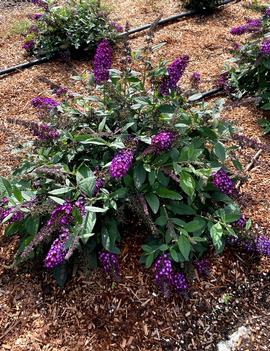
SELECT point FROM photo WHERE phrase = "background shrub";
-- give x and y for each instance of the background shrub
(77, 26)
(202, 5)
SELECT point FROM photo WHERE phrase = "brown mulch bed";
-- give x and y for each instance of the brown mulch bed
(91, 313)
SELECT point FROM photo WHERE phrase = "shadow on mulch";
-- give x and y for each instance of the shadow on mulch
(93, 313)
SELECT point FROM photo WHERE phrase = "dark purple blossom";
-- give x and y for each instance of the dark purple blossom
(251, 26)
(262, 244)
(44, 103)
(33, 29)
(116, 26)
(102, 61)
(60, 91)
(202, 266)
(223, 182)
(265, 47)
(99, 184)
(109, 263)
(241, 222)
(195, 77)
(29, 45)
(163, 273)
(175, 71)
(36, 16)
(121, 164)
(163, 140)
(44, 132)
(267, 12)
(223, 81)
(16, 216)
(62, 214)
(58, 251)
(179, 282)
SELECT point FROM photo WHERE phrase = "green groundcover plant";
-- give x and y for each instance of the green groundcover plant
(131, 145)
(76, 26)
(250, 73)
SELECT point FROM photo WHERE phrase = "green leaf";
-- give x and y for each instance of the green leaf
(7, 186)
(139, 176)
(181, 209)
(216, 233)
(88, 226)
(175, 255)
(60, 191)
(195, 225)
(232, 213)
(153, 202)
(96, 209)
(17, 193)
(31, 225)
(187, 183)
(57, 200)
(220, 151)
(184, 246)
(149, 260)
(168, 194)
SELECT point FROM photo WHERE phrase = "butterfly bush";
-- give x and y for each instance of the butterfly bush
(127, 151)
(82, 27)
(250, 73)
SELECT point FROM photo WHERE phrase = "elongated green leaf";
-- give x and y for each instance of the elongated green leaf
(60, 191)
(195, 225)
(139, 176)
(184, 246)
(168, 194)
(216, 233)
(153, 202)
(220, 151)
(187, 183)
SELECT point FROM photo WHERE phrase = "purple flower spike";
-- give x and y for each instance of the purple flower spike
(57, 252)
(265, 47)
(179, 282)
(163, 140)
(117, 26)
(99, 184)
(195, 77)
(262, 244)
(223, 182)
(121, 164)
(163, 273)
(202, 266)
(28, 45)
(241, 222)
(267, 12)
(110, 263)
(252, 25)
(102, 61)
(44, 132)
(175, 72)
(36, 16)
(44, 103)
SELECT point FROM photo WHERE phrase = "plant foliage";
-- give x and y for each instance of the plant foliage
(77, 26)
(124, 147)
(202, 5)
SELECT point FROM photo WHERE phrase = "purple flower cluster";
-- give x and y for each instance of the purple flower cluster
(223, 81)
(267, 12)
(175, 71)
(17, 216)
(33, 29)
(57, 252)
(109, 263)
(102, 61)
(262, 244)
(202, 266)
(44, 103)
(166, 278)
(28, 45)
(99, 184)
(195, 77)
(116, 26)
(251, 26)
(223, 182)
(241, 222)
(163, 140)
(265, 47)
(121, 164)
(62, 214)
(60, 91)
(179, 282)
(44, 132)
(35, 16)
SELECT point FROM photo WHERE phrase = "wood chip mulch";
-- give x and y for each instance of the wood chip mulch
(92, 313)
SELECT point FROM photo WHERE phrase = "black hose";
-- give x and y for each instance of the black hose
(24, 65)
(200, 96)
(132, 31)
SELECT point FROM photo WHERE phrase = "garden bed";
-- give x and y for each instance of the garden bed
(91, 313)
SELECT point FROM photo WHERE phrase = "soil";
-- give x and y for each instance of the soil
(92, 312)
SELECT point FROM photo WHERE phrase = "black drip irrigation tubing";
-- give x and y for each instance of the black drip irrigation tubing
(130, 32)
(204, 95)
